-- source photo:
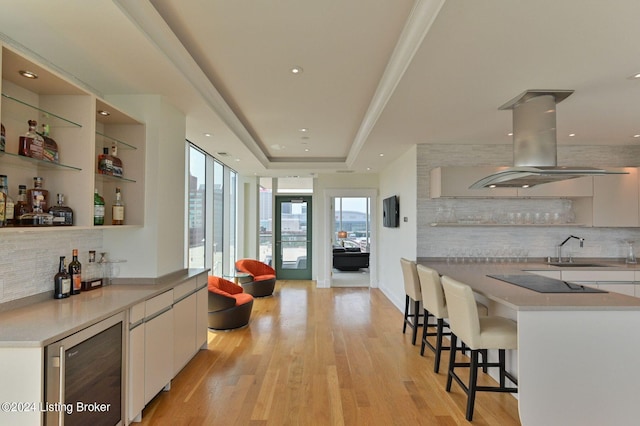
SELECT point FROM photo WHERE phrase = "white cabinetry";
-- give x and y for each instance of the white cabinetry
(202, 320)
(158, 344)
(622, 282)
(184, 326)
(571, 188)
(190, 320)
(615, 201)
(454, 181)
(135, 380)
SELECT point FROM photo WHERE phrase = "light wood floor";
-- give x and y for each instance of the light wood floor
(320, 357)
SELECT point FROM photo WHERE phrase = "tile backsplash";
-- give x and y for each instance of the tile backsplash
(434, 241)
(29, 260)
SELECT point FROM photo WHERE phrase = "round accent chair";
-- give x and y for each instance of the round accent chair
(263, 277)
(229, 306)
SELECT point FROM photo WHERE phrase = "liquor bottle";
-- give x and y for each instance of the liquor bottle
(62, 282)
(38, 195)
(92, 276)
(3, 202)
(98, 209)
(62, 215)
(117, 210)
(9, 204)
(21, 207)
(31, 143)
(105, 163)
(75, 271)
(2, 138)
(118, 170)
(50, 151)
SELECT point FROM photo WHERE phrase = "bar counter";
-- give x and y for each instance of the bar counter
(576, 361)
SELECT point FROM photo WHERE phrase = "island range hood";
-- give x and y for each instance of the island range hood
(534, 144)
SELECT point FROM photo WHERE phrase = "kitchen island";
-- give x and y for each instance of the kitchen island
(576, 358)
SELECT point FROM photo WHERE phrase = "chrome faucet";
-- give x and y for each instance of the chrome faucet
(559, 247)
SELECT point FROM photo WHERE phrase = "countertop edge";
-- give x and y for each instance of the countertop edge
(88, 307)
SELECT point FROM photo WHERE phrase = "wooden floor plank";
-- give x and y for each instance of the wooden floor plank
(320, 357)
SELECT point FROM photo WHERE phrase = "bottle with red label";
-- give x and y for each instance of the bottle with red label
(31, 143)
(75, 270)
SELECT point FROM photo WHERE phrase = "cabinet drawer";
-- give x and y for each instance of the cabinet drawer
(598, 275)
(184, 289)
(136, 313)
(158, 303)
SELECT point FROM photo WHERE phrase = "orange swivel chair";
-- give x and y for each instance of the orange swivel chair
(229, 306)
(263, 277)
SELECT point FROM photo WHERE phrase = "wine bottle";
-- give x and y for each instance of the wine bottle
(21, 207)
(98, 209)
(9, 206)
(2, 138)
(75, 271)
(117, 210)
(3, 201)
(62, 282)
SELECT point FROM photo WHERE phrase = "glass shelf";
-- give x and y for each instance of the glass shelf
(111, 140)
(25, 110)
(39, 163)
(113, 178)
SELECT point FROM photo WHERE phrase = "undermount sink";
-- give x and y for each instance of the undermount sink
(577, 265)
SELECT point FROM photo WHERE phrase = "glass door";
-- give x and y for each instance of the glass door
(292, 254)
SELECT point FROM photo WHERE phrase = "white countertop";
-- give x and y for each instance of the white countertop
(522, 299)
(40, 324)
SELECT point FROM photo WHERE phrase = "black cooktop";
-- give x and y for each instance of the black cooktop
(545, 284)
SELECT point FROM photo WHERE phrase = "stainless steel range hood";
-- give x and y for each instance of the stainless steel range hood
(534, 144)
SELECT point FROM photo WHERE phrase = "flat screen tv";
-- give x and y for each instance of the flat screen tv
(391, 212)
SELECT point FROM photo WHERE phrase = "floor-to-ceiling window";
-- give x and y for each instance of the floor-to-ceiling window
(266, 220)
(212, 215)
(196, 215)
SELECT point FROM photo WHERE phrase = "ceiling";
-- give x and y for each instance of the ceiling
(378, 76)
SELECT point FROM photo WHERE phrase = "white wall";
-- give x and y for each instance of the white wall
(399, 178)
(158, 248)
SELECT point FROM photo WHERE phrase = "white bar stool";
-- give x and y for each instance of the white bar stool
(478, 333)
(413, 293)
(434, 303)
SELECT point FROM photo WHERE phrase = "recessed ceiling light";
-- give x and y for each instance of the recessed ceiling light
(307, 150)
(525, 186)
(238, 160)
(28, 74)
(510, 134)
(571, 135)
(636, 136)
(368, 168)
(304, 130)
(296, 70)
(492, 186)
(381, 155)
(104, 113)
(208, 135)
(634, 76)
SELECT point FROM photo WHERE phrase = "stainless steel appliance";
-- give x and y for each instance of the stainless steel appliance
(84, 376)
